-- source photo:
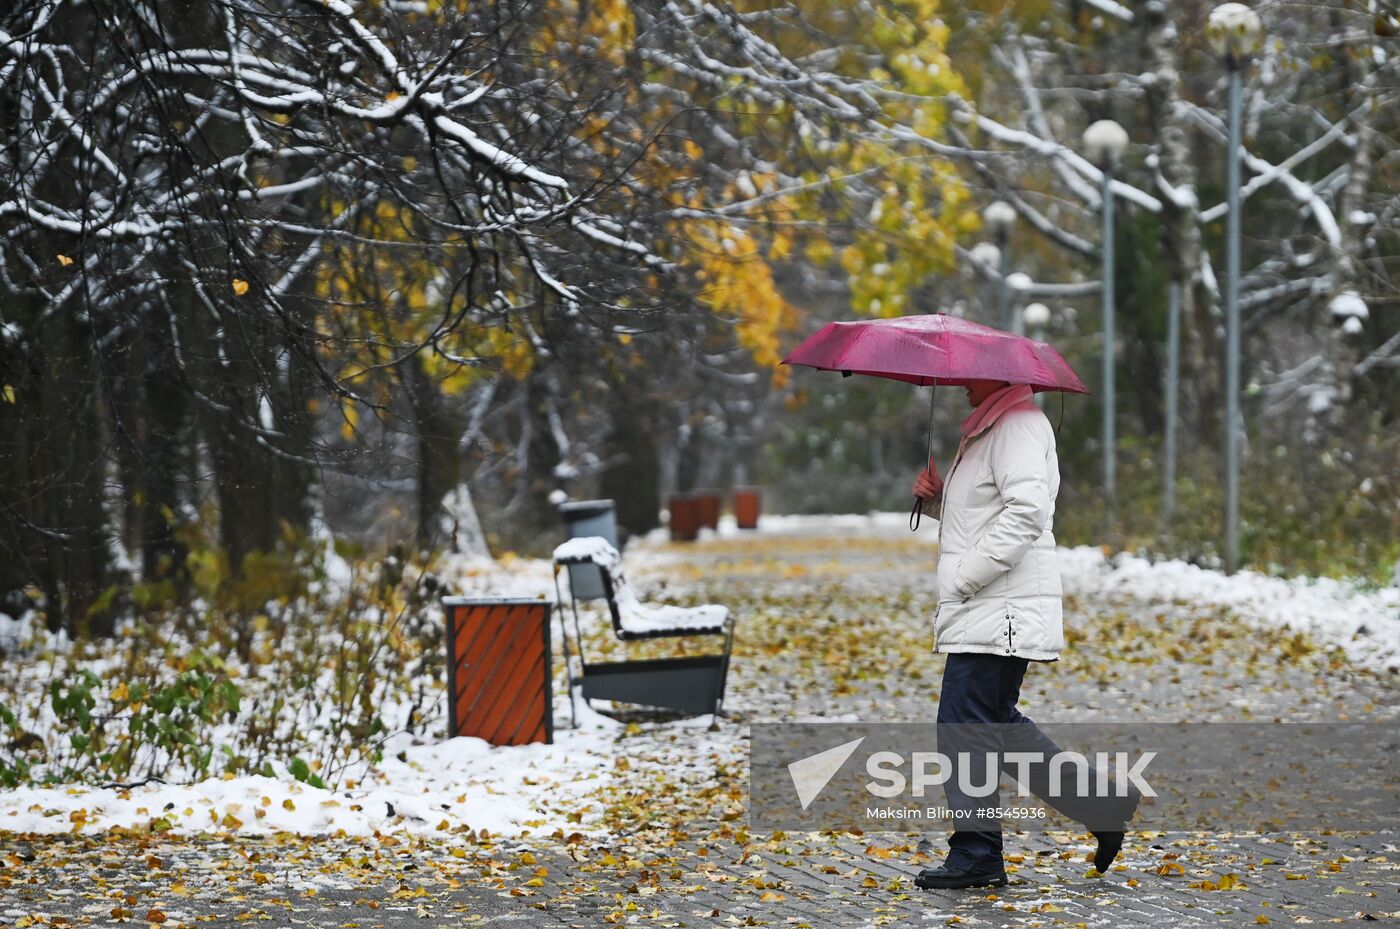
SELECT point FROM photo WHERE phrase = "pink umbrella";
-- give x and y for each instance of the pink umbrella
(932, 350)
(935, 349)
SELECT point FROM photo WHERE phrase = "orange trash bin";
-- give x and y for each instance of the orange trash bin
(499, 686)
(709, 510)
(685, 518)
(746, 507)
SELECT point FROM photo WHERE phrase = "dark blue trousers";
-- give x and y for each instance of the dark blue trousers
(979, 690)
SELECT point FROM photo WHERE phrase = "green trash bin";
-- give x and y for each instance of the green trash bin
(589, 518)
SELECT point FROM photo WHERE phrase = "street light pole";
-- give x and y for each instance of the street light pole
(1017, 284)
(1106, 142)
(1173, 385)
(1232, 334)
(999, 217)
(1234, 31)
(1003, 268)
(1033, 319)
(1110, 437)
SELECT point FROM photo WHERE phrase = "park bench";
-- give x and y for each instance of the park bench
(690, 684)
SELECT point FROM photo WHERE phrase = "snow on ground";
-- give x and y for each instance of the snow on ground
(873, 524)
(461, 784)
(435, 789)
(1364, 624)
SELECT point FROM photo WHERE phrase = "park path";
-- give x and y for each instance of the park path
(833, 624)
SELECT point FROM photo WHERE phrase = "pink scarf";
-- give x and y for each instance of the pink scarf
(985, 414)
(983, 417)
(991, 409)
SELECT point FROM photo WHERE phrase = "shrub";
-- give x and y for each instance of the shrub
(279, 667)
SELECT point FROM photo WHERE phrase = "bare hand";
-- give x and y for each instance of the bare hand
(928, 484)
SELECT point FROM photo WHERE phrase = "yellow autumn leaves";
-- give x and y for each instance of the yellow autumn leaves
(737, 281)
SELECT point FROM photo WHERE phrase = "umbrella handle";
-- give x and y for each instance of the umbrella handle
(918, 511)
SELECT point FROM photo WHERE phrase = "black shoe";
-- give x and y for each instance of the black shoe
(1109, 845)
(1111, 840)
(945, 877)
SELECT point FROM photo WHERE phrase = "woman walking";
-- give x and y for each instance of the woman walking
(999, 608)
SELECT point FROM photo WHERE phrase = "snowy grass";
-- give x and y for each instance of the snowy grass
(296, 754)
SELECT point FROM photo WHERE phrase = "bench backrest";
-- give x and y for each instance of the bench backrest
(601, 554)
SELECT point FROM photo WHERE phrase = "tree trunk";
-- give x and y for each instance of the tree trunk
(149, 413)
(1201, 348)
(440, 424)
(633, 478)
(56, 532)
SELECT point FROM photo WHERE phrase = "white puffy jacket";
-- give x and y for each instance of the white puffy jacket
(998, 581)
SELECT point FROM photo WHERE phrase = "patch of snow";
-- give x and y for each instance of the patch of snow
(14, 630)
(428, 789)
(1364, 624)
(875, 523)
(639, 618)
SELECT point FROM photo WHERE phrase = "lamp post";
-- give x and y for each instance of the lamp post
(1000, 216)
(1173, 386)
(1017, 283)
(1235, 32)
(1105, 141)
(987, 255)
(1036, 317)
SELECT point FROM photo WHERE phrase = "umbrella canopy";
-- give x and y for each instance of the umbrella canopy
(935, 349)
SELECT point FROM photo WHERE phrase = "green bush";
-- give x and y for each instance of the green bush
(140, 729)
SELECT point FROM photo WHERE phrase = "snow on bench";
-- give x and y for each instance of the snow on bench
(633, 617)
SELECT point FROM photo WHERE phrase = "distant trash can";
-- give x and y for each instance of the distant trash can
(589, 518)
(746, 507)
(685, 518)
(499, 684)
(709, 509)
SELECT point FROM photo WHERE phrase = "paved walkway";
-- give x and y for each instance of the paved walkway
(829, 627)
